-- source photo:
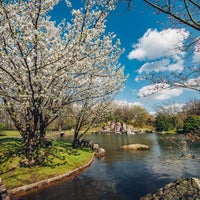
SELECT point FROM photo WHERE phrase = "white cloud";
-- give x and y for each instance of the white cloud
(126, 103)
(154, 66)
(168, 94)
(177, 66)
(153, 113)
(159, 91)
(196, 56)
(161, 65)
(154, 44)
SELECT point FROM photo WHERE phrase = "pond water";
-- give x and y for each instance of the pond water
(124, 175)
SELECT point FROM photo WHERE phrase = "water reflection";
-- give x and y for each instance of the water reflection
(125, 174)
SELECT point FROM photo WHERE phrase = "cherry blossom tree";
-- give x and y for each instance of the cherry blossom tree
(44, 67)
(86, 114)
(186, 11)
(181, 14)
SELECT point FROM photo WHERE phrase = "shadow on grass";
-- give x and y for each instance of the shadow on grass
(12, 154)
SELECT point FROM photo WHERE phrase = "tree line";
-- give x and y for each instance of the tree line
(185, 119)
(182, 119)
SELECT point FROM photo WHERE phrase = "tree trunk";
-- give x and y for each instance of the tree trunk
(76, 140)
(33, 141)
(30, 150)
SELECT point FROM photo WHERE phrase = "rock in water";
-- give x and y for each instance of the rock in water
(136, 147)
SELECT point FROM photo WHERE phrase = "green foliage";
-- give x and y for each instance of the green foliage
(3, 126)
(160, 124)
(164, 122)
(140, 116)
(184, 120)
(134, 115)
(192, 124)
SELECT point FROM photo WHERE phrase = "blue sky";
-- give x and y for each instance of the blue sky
(148, 32)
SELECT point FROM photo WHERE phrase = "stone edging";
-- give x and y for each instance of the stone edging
(47, 182)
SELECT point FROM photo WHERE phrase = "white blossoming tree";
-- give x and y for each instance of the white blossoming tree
(181, 14)
(86, 114)
(44, 67)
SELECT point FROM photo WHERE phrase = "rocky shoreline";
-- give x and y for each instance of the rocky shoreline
(185, 189)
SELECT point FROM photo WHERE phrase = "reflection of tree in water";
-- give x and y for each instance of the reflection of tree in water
(97, 183)
(184, 146)
(112, 144)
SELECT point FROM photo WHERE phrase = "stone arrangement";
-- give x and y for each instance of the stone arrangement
(116, 128)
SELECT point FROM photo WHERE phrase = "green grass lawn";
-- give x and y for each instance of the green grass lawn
(9, 133)
(15, 133)
(171, 132)
(62, 159)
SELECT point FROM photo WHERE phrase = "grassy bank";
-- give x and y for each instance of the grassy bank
(9, 133)
(61, 159)
(15, 133)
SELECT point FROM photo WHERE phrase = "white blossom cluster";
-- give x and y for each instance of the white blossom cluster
(44, 67)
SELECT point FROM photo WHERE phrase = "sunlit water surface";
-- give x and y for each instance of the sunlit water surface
(127, 174)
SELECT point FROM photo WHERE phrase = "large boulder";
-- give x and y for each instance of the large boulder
(136, 147)
(184, 189)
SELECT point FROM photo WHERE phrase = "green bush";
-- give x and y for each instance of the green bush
(192, 124)
(3, 126)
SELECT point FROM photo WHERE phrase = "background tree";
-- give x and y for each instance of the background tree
(168, 117)
(86, 114)
(177, 117)
(192, 124)
(44, 67)
(164, 122)
(192, 107)
(140, 116)
(121, 113)
(5, 121)
(130, 114)
(160, 124)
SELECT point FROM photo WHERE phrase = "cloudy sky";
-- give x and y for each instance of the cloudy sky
(149, 43)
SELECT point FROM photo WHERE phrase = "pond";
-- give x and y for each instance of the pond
(124, 175)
